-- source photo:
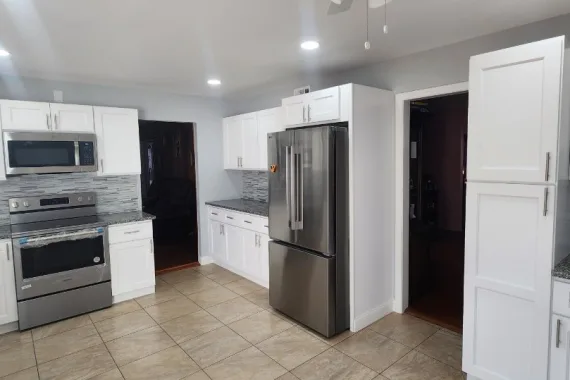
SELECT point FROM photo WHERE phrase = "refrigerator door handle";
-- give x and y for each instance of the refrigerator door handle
(293, 188)
(299, 191)
(288, 183)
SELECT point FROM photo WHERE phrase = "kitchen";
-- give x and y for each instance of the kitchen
(199, 305)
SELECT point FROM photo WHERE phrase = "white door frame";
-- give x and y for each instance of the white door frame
(401, 277)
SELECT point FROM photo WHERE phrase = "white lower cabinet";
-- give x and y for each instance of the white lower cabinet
(132, 262)
(240, 243)
(8, 306)
(559, 348)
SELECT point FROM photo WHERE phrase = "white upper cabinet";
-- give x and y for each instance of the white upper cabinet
(508, 261)
(514, 111)
(314, 107)
(25, 116)
(232, 143)
(8, 305)
(117, 140)
(250, 148)
(72, 118)
(268, 121)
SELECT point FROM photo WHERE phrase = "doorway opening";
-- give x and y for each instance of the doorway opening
(436, 234)
(168, 190)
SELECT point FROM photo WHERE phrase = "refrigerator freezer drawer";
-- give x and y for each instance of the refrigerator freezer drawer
(302, 286)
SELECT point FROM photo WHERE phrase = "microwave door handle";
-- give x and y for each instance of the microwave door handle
(76, 147)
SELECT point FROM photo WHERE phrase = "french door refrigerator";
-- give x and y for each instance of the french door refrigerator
(308, 225)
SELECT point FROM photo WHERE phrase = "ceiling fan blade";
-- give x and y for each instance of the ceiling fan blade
(335, 8)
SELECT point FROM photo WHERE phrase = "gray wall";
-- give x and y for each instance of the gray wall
(213, 182)
(437, 67)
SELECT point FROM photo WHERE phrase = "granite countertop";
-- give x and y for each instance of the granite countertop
(562, 270)
(243, 205)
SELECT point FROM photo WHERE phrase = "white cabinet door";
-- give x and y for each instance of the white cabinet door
(268, 121)
(132, 266)
(117, 140)
(8, 306)
(2, 162)
(508, 260)
(323, 105)
(252, 254)
(514, 108)
(72, 118)
(264, 252)
(25, 116)
(560, 348)
(232, 142)
(217, 240)
(250, 150)
(234, 246)
(294, 110)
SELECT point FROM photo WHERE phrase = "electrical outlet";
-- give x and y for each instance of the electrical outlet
(302, 90)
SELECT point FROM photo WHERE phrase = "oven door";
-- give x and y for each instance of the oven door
(57, 262)
(36, 153)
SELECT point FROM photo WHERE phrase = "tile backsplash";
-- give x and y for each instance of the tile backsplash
(255, 185)
(114, 194)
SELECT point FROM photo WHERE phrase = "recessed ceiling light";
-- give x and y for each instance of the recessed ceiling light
(310, 45)
(214, 82)
(4, 53)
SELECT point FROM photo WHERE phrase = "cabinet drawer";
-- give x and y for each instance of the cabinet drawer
(216, 214)
(233, 218)
(255, 223)
(129, 232)
(561, 298)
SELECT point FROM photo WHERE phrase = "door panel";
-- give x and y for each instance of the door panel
(268, 121)
(294, 110)
(250, 151)
(514, 108)
(8, 308)
(301, 285)
(252, 253)
(132, 266)
(508, 259)
(324, 105)
(232, 142)
(72, 118)
(264, 250)
(234, 246)
(24, 116)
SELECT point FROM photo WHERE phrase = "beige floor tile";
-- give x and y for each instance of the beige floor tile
(208, 269)
(195, 285)
(223, 277)
(380, 377)
(162, 293)
(27, 374)
(15, 338)
(138, 345)
(243, 286)
(250, 364)
(115, 310)
(373, 350)
(190, 326)
(122, 325)
(292, 347)
(260, 326)
(259, 297)
(80, 365)
(234, 310)
(209, 298)
(170, 364)
(17, 357)
(404, 329)
(166, 311)
(444, 346)
(214, 346)
(200, 375)
(111, 375)
(288, 376)
(332, 364)
(66, 343)
(330, 341)
(61, 326)
(179, 276)
(417, 366)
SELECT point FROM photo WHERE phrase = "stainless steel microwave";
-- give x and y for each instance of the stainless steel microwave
(47, 152)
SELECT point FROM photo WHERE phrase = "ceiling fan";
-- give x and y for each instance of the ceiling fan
(339, 6)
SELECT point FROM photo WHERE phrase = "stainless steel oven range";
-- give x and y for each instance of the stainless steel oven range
(61, 258)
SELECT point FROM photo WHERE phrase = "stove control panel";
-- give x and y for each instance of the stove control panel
(47, 202)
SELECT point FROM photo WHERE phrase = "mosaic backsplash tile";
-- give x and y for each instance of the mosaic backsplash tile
(255, 185)
(114, 194)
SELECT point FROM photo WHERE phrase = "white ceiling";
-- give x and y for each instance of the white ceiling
(175, 45)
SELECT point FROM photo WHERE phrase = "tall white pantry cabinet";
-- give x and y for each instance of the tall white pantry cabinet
(517, 186)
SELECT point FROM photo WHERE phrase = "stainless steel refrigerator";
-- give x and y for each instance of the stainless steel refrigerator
(308, 225)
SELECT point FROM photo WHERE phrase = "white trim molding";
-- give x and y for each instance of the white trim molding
(372, 316)
(205, 260)
(402, 142)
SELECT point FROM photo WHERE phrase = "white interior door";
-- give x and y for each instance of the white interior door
(514, 108)
(72, 118)
(250, 149)
(324, 105)
(25, 116)
(117, 140)
(508, 260)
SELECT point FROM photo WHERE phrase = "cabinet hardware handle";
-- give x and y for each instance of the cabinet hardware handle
(7, 251)
(223, 230)
(256, 240)
(247, 221)
(303, 113)
(230, 217)
(102, 167)
(545, 208)
(55, 121)
(547, 169)
(266, 226)
(558, 325)
(151, 246)
(214, 213)
(132, 232)
(47, 121)
(309, 112)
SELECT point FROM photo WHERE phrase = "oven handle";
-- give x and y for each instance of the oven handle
(39, 241)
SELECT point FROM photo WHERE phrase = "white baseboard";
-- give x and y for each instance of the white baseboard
(8, 327)
(225, 265)
(371, 316)
(205, 260)
(133, 294)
